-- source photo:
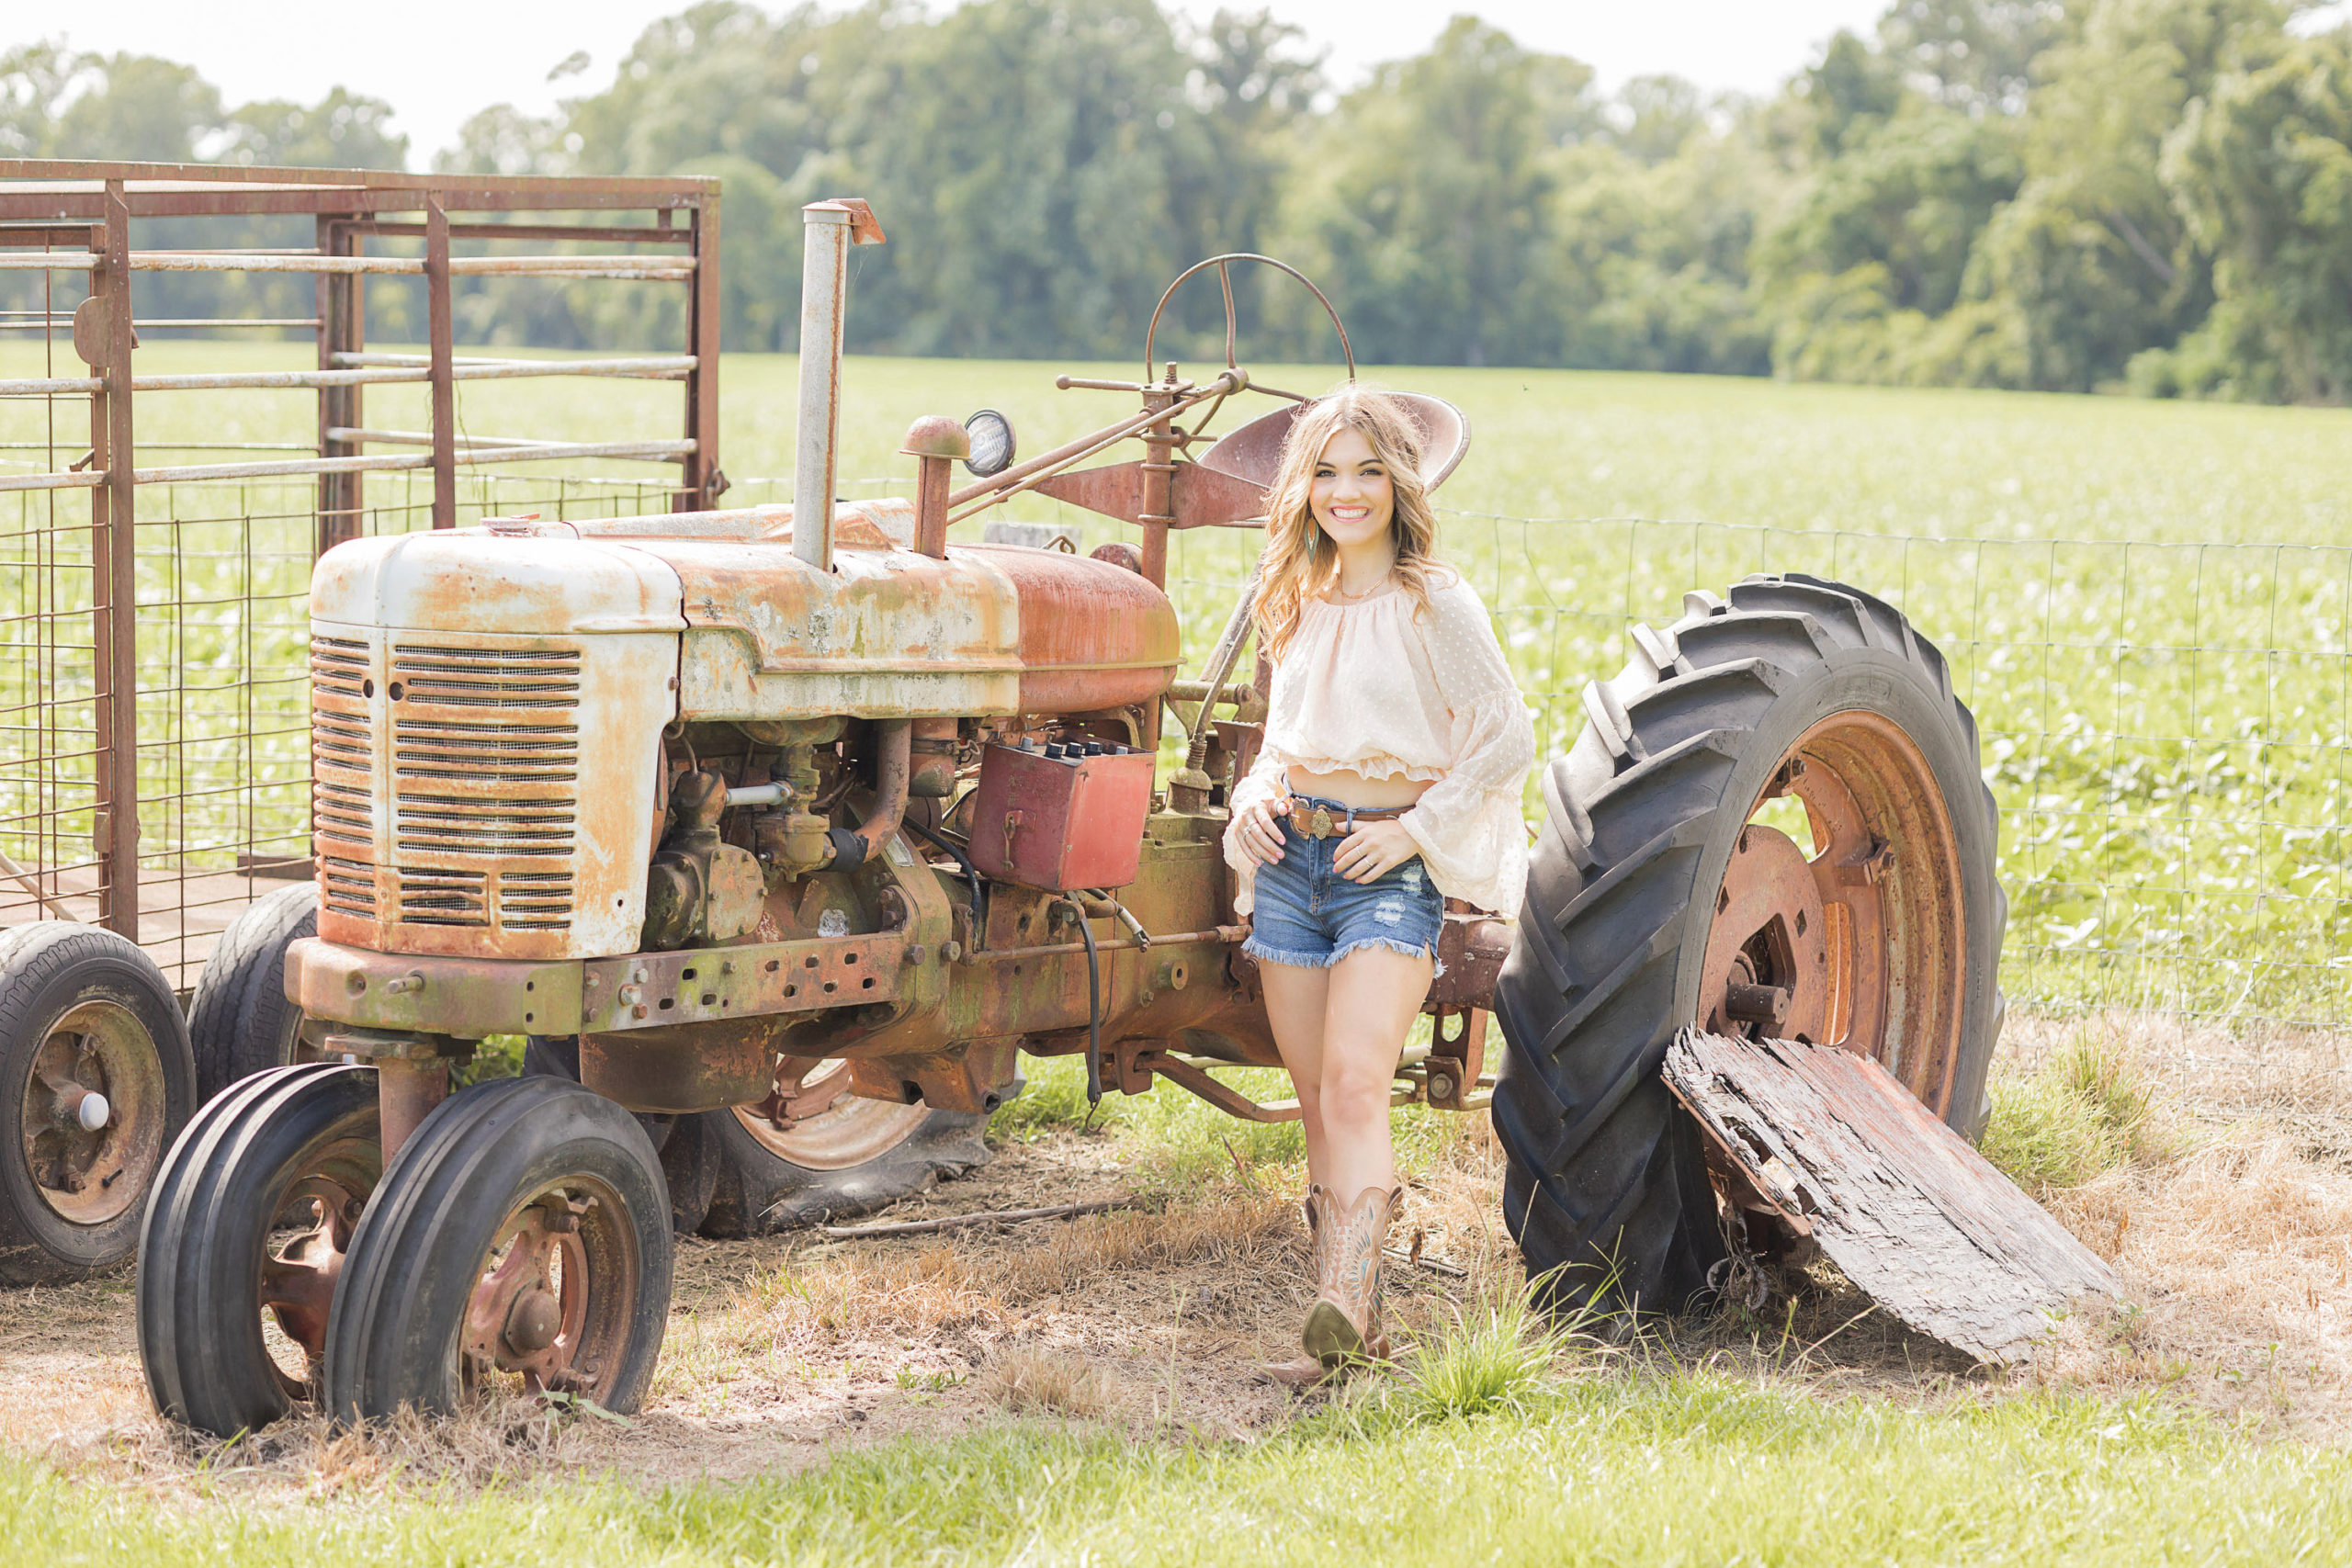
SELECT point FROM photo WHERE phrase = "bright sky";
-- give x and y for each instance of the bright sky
(436, 62)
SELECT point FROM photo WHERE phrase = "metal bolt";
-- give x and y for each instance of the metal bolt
(951, 951)
(1767, 1005)
(914, 954)
(412, 981)
(1441, 1087)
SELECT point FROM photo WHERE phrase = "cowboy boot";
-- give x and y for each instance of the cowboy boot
(1345, 1324)
(1308, 1370)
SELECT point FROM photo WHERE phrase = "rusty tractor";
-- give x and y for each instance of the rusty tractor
(802, 827)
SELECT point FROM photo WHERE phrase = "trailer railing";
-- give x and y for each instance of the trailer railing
(154, 728)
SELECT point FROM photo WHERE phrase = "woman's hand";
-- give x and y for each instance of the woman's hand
(1258, 830)
(1373, 849)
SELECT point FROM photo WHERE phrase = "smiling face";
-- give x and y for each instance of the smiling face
(1352, 497)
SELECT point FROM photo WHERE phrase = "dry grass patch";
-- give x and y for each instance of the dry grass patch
(1040, 1383)
(306, 1456)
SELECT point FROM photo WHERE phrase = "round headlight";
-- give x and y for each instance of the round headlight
(992, 445)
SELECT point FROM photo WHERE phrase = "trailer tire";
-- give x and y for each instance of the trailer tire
(233, 1181)
(1796, 686)
(905, 1150)
(83, 1003)
(494, 1169)
(243, 1021)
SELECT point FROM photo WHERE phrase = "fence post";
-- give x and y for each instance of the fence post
(445, 388)
(342, 330)
(114, 585)
(704, 308)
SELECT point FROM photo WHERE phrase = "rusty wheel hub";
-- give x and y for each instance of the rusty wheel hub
(555, 1295)
(812, 1120)
(298, 1271)
(1860, 944)
(93, 1113)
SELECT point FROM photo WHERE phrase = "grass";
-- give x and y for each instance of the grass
(2163, 1434)
(1183, 1145)
(2082, 1112)
(1694, 1468)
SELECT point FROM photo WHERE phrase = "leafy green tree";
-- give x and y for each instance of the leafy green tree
(343, 130)
(1420, 204)
(1850, 94)
(1652, 257)
(58, 104)
(2094, 262)
(2261, 168)
(1978, 55)
(1881, 233)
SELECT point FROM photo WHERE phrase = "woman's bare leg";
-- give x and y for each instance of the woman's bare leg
(1373, 996)
(1296, 1001)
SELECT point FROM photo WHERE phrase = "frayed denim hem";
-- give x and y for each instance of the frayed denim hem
(1265, 954)
(1423, 950)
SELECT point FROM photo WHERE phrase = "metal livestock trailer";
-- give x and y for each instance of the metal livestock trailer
(157, 526)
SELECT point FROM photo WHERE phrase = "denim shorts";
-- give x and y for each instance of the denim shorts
(1310, 916)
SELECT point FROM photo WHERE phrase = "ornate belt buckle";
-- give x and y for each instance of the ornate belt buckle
(1318, 823)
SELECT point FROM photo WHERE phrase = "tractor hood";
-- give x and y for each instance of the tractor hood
(887, 633)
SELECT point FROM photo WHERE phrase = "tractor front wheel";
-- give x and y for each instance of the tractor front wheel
(251, 1225)
(1772, 825)
(519, 1244)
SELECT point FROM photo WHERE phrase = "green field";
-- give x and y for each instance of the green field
(2148, 604)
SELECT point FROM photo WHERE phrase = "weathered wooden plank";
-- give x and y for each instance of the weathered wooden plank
(1917, 1218)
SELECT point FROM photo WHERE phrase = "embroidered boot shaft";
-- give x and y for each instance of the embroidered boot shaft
(1346, 1320)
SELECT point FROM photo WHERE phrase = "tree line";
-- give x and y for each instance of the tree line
(2066, 194)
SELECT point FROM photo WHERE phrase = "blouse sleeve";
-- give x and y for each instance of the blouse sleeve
(1468, 825)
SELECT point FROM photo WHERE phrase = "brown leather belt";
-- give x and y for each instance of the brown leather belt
(1321, 822)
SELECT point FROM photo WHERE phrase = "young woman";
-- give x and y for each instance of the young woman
(1394, 754)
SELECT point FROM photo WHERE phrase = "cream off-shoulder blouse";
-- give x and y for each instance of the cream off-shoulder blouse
(1386, 692)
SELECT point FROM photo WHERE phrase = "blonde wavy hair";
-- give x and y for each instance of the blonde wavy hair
(1301, 561)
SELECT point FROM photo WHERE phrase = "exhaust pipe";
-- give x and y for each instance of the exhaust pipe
(829, 229)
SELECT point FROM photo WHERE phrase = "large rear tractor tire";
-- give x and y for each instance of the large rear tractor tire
(520, 1242)
(96, 1073)
(253, 1219)
(1772, 824)
(242, 1022)
(824, 1153)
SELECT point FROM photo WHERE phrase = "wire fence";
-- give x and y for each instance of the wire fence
(222, 688)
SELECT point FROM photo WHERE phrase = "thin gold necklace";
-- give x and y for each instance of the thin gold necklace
(1345, 597)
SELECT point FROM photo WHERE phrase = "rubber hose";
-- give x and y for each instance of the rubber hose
(1093, 1009)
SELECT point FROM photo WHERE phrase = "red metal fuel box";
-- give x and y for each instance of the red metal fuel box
(1062, 817)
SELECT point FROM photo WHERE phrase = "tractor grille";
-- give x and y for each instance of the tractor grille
(485, 794)
(348, 887)
(434, 897)
(343, 765)
(488, 677)
(484, 798)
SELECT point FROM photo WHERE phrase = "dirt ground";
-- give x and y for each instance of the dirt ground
(2232, 1231)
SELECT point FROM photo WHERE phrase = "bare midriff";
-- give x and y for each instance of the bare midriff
(1351, 788)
